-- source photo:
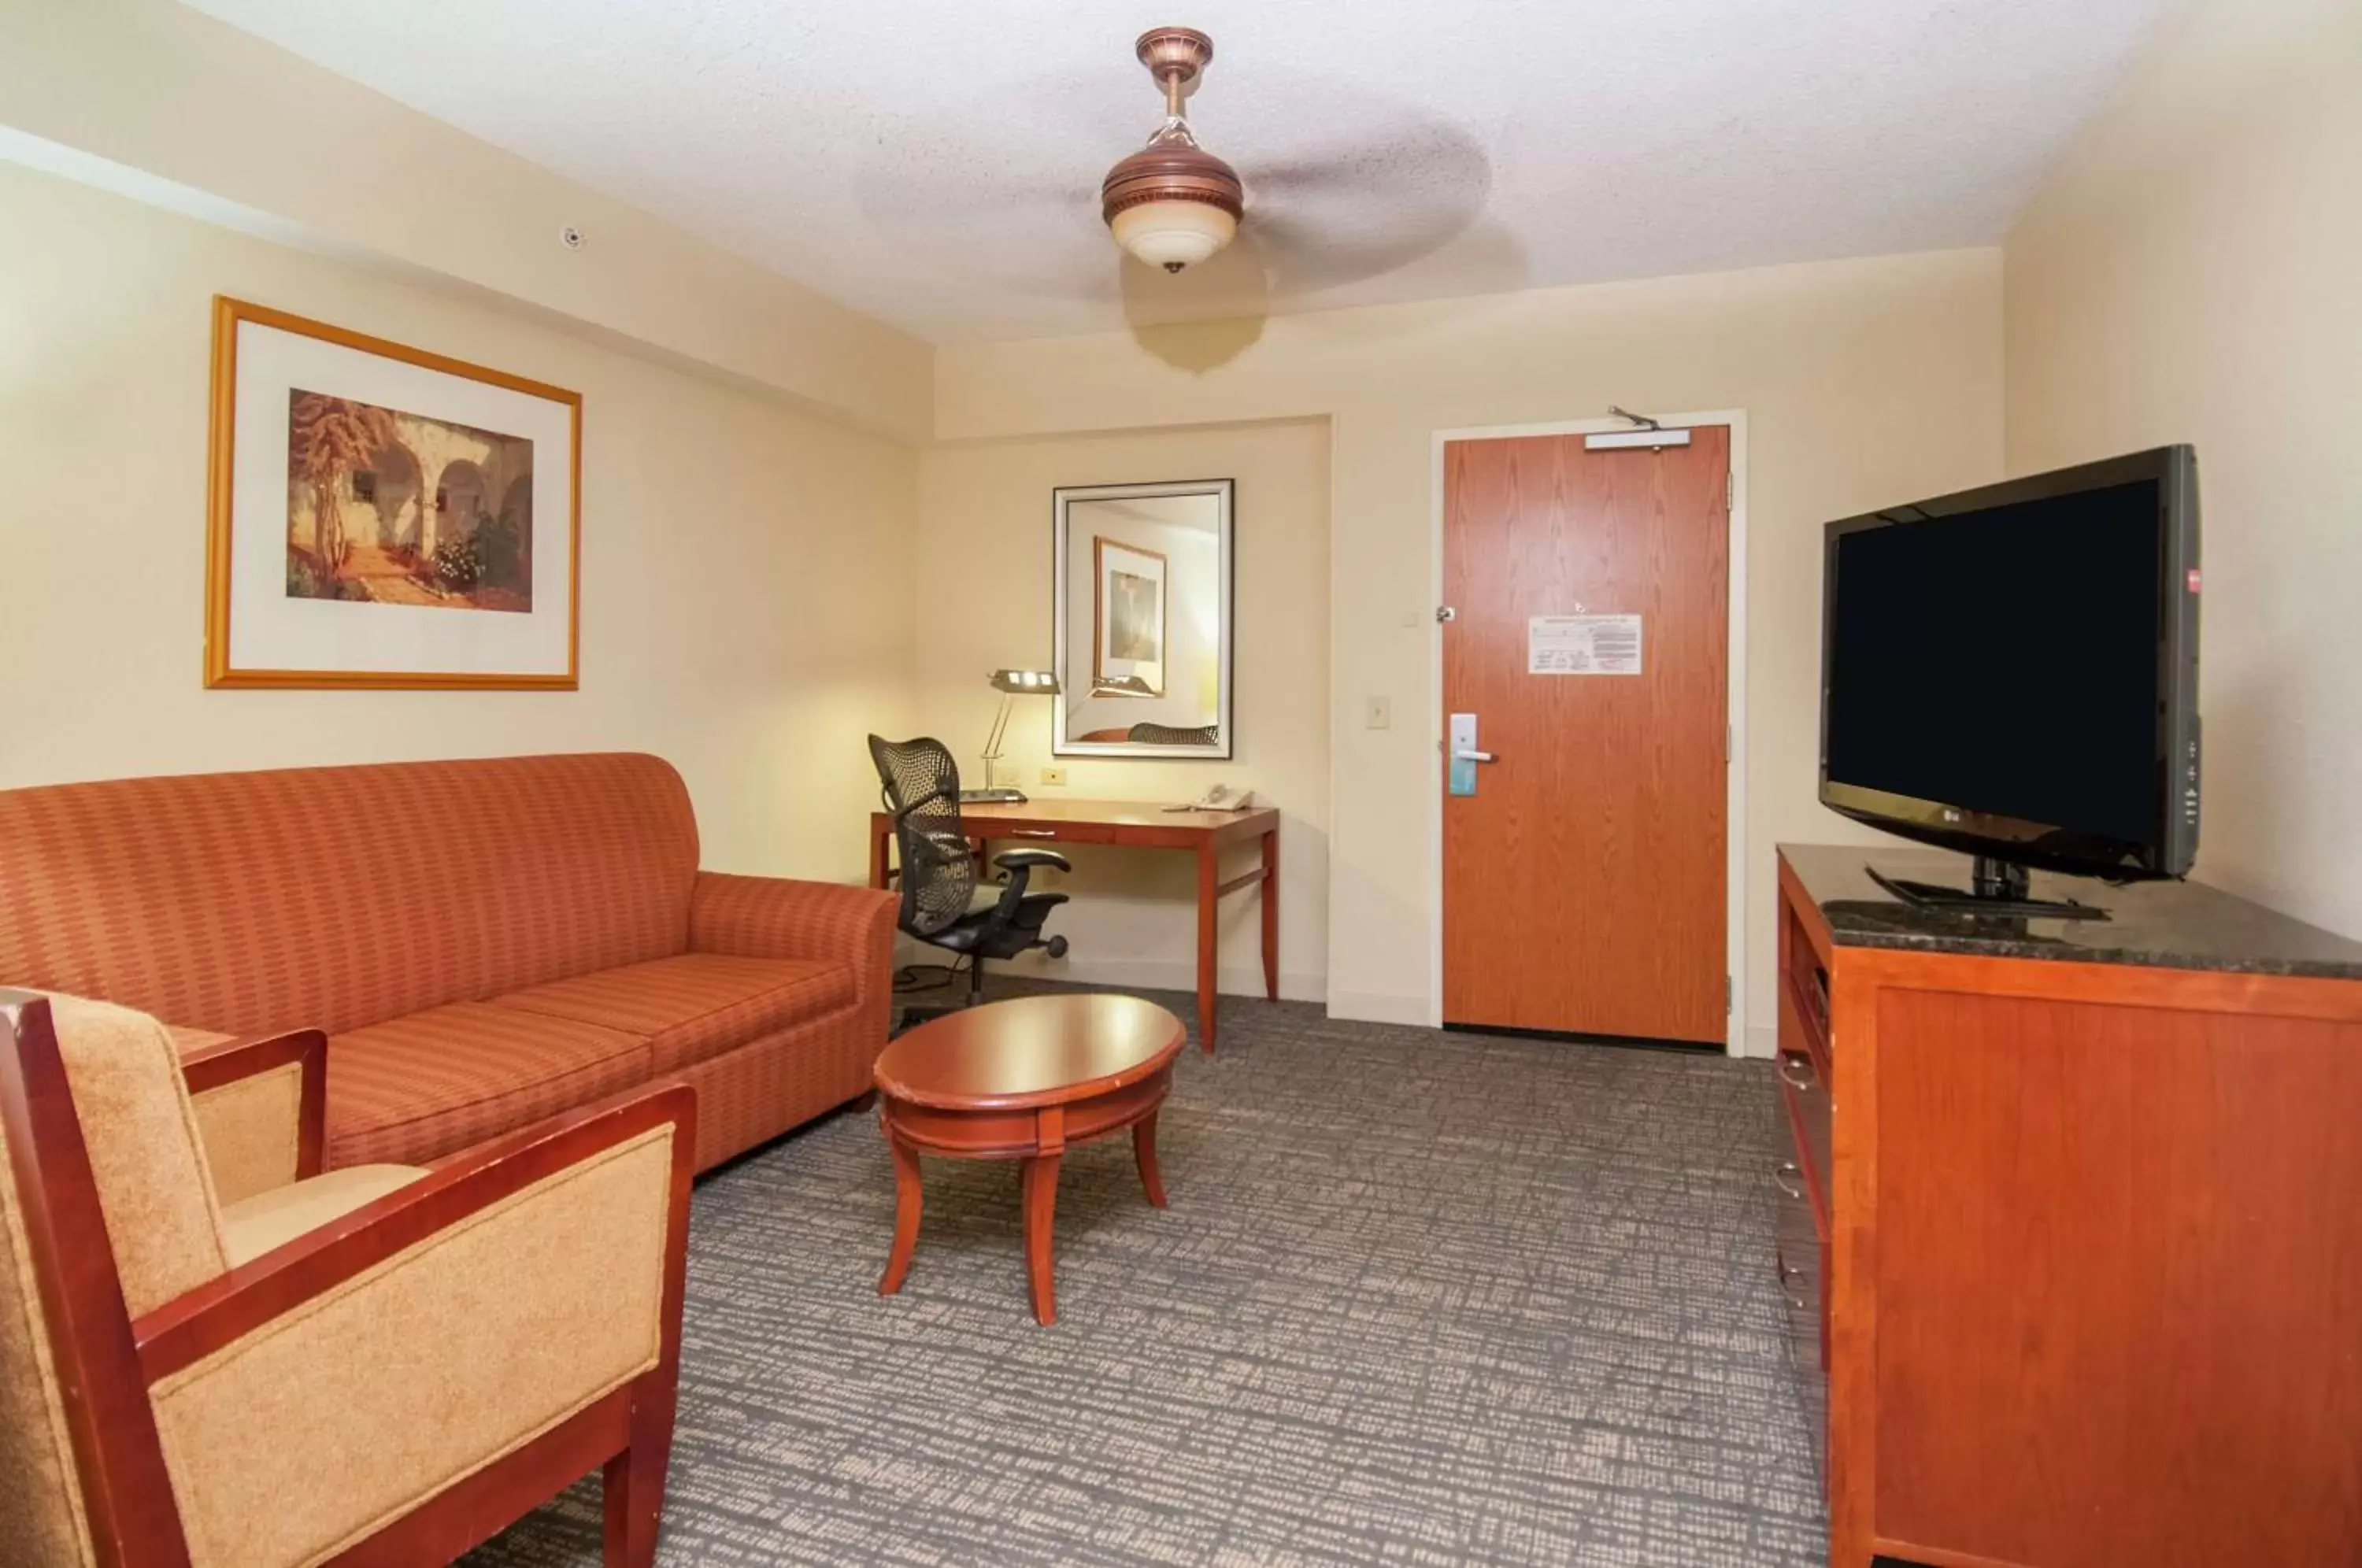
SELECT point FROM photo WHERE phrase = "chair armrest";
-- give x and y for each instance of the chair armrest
(1017, 887)
(1027, 859)
(222, 1311)
(261, 1105)
(428, 1333)
(772, 917)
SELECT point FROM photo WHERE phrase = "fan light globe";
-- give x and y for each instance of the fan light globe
(1173, 234)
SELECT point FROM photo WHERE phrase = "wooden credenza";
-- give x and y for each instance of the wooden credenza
(2074, 1249)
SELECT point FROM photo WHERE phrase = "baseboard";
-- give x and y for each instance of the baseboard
(1763, 1040)
(1381, 1006)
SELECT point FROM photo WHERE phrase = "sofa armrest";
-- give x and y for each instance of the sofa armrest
(427, 1334)
(772, 917)
(261, 1106)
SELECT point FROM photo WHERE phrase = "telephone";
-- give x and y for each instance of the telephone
(1220, 797)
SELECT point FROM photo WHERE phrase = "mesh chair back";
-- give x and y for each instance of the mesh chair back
(921, 784)
(1168, 734)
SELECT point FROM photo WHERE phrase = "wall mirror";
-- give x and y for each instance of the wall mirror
(1142, 591)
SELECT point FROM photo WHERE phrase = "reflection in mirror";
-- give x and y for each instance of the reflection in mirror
(1142, 603)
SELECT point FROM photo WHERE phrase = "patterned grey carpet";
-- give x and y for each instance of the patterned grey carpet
(1419, 1298)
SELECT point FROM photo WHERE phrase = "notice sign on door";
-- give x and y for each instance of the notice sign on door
(1582, 645)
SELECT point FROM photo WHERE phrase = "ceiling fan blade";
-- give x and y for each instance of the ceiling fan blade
(1304, 256)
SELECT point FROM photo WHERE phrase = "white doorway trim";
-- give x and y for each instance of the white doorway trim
(1736, 844)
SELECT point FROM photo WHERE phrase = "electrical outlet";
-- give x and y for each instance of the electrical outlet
(1054, 776)
(1378, 714)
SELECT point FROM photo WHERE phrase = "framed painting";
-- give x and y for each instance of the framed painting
(1127, 620)
(382, 517)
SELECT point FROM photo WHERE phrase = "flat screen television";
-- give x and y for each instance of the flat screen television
(2013, 673)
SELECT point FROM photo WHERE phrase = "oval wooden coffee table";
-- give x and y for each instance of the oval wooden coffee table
(1021, 1080)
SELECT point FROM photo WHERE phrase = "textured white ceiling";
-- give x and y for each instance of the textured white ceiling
(936, 163)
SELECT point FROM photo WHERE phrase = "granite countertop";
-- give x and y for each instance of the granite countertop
(2173, 925)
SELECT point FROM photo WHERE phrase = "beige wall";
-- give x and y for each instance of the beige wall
(984, 548)
(745, 566)
(1864, 383)
(172, 95)
(2191, 274)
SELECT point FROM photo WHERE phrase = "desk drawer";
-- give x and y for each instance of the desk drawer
(1017, 834)
(1803, 1259)
(1807, 1101)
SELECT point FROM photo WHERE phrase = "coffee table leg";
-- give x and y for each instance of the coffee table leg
(1041, 1211)
(1143, 1150)
(906, 1214)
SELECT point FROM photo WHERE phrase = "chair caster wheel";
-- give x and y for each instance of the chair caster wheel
(1057, 947)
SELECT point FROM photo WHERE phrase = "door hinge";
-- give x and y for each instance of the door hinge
(1729, 492)
(1726, 996)
(1446, 612)
(1725, 745)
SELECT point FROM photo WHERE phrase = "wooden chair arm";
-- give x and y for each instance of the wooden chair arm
(222, 1311)
(226, 1062)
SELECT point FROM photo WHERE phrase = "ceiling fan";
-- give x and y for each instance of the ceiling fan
(1336, 181)
(1172, 204)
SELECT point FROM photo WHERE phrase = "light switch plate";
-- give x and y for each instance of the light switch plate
(1054, 776)
(1378, 714)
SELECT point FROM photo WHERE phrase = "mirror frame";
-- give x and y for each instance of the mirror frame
(1225, 493)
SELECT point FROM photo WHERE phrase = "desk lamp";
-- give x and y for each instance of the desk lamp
(1012, 684)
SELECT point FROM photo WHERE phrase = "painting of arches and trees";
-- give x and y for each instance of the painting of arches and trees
(393, 508)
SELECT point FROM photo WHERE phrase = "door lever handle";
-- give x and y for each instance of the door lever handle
(1460, 730)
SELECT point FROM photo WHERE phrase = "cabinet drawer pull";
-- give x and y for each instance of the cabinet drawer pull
(1032, 832)
(1801, 1079)
(1780, 1179)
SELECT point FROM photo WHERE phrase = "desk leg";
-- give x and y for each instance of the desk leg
(1209, 909)
(877, 841)
(1270, 914)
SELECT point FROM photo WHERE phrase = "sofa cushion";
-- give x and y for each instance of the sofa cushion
(697, 1005)
(418, 1087)
(332, 897)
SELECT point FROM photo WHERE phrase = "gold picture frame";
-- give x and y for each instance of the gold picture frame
(284, 599)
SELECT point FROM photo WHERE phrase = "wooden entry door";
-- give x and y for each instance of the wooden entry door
(1584, 880)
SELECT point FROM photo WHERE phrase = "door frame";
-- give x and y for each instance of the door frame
(1734, 696)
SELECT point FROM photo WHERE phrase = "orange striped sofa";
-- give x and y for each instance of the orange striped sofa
(486, 942)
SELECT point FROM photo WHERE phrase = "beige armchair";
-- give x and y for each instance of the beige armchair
(267, 1365)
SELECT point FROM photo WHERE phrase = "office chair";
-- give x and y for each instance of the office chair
(940, 881)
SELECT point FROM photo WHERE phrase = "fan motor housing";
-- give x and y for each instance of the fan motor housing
(1172, 173)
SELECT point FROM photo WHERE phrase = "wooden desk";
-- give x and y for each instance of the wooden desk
(1138, 826)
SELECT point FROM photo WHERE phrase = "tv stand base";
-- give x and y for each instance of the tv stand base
(1997, 888)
